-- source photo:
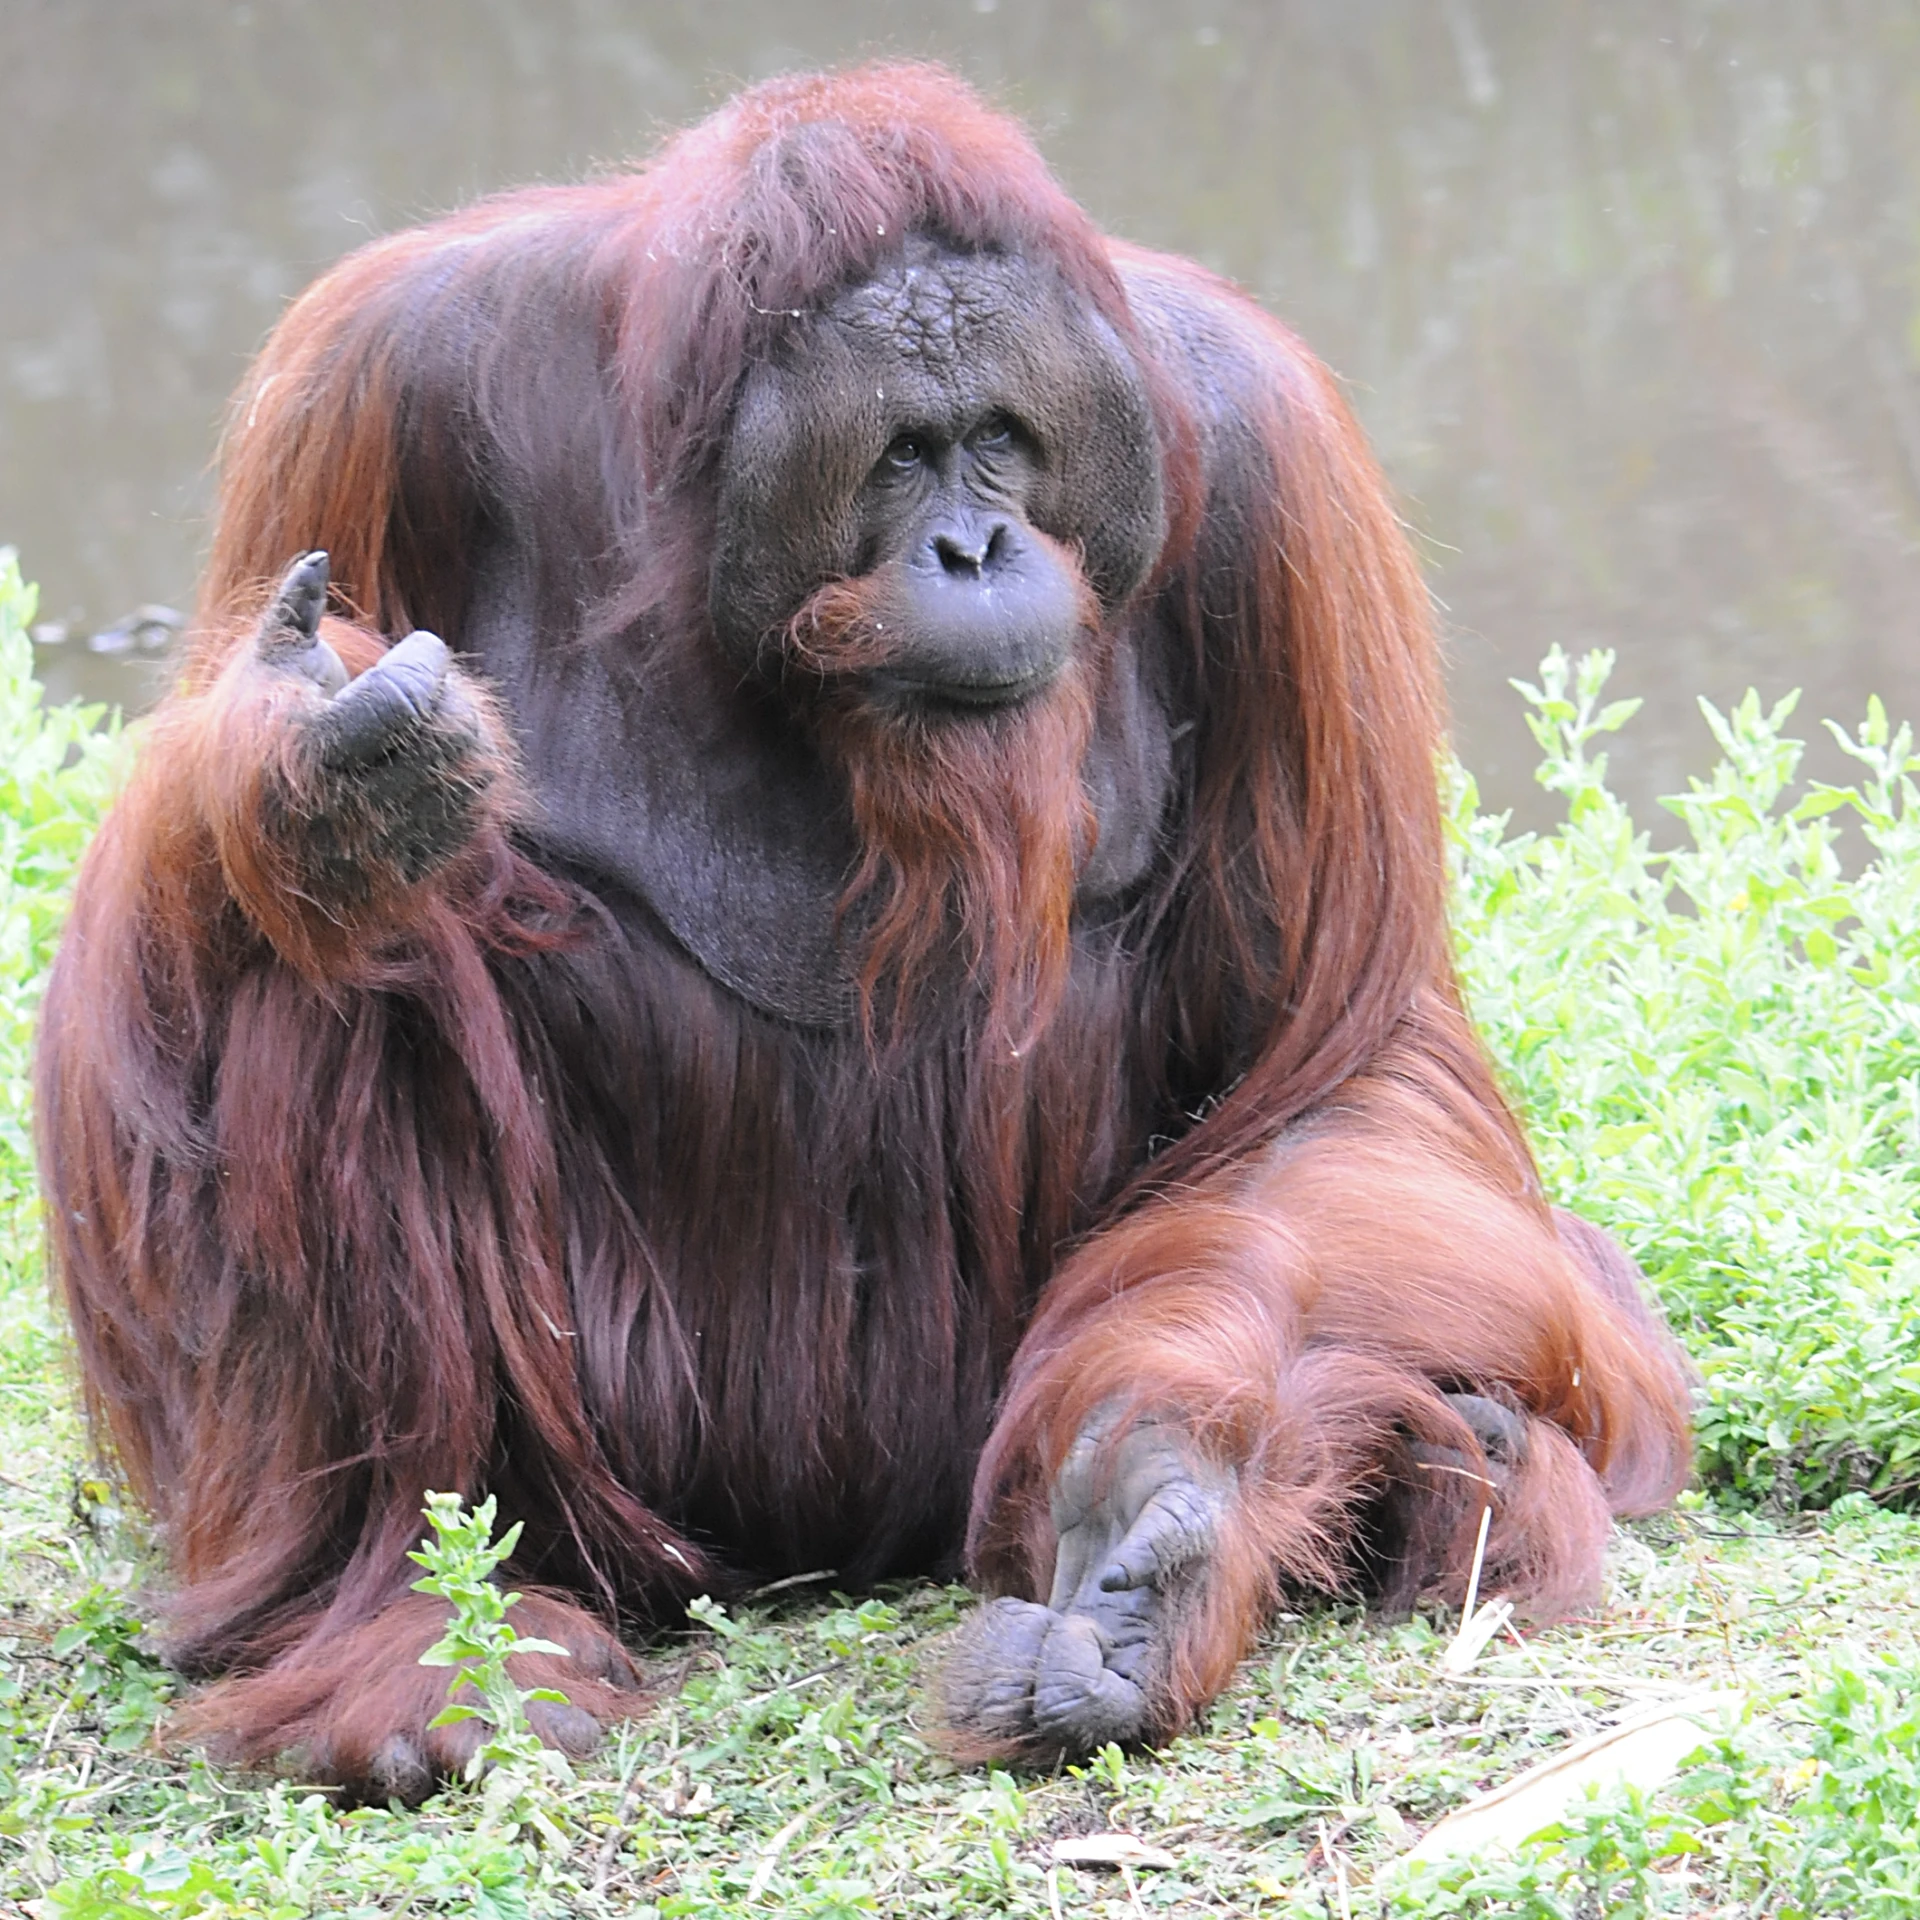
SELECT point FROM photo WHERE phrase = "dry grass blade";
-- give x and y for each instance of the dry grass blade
(1646, 1748)
(1109, 1850)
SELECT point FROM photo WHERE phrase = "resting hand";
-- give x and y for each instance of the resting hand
(1137, 1520)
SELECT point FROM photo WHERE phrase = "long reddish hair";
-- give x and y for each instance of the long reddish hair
(480, 1185)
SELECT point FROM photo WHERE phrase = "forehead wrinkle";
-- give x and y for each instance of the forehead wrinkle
(935, 312)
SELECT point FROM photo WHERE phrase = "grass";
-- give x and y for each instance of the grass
(1717, 1050)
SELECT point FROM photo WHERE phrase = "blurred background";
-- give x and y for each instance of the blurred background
(1627, 292)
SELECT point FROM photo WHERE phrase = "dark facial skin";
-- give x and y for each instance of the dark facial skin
(954, 432)
(985, 612)
(866, 448)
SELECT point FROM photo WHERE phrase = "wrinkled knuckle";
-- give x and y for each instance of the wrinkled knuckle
(1063, 1711)
(1001, 1708)
(411, 688)
(1071, 1665)
(1192, 1523)
(375, 716)
(988, 1700)
(1080, 1712)
(985, 1683)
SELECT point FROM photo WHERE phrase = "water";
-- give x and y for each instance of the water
(1627, 294)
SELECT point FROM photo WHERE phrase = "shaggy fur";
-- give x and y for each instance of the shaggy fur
(371, 1173)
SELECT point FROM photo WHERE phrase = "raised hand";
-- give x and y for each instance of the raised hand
(387, 773)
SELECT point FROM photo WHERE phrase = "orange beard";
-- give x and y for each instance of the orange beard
(972, 829)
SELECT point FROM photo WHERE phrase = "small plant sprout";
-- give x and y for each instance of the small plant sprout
(520, 1771)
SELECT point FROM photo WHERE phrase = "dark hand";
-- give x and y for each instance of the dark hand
(1135, 1529)
(392, 765)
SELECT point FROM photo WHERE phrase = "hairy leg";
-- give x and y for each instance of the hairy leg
(356, 1709)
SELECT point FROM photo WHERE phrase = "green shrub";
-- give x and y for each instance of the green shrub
(57, 768)
(521, 1775)
(1718, 1050)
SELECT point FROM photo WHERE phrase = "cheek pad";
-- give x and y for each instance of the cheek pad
(1102, 491)
(785, 515)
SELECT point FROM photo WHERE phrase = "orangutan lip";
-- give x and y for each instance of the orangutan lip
(965, 693)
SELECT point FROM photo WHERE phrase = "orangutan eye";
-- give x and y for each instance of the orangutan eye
(993, 435)
(906, 452)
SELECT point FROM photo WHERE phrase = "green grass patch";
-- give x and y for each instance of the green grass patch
(1716, 1048)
